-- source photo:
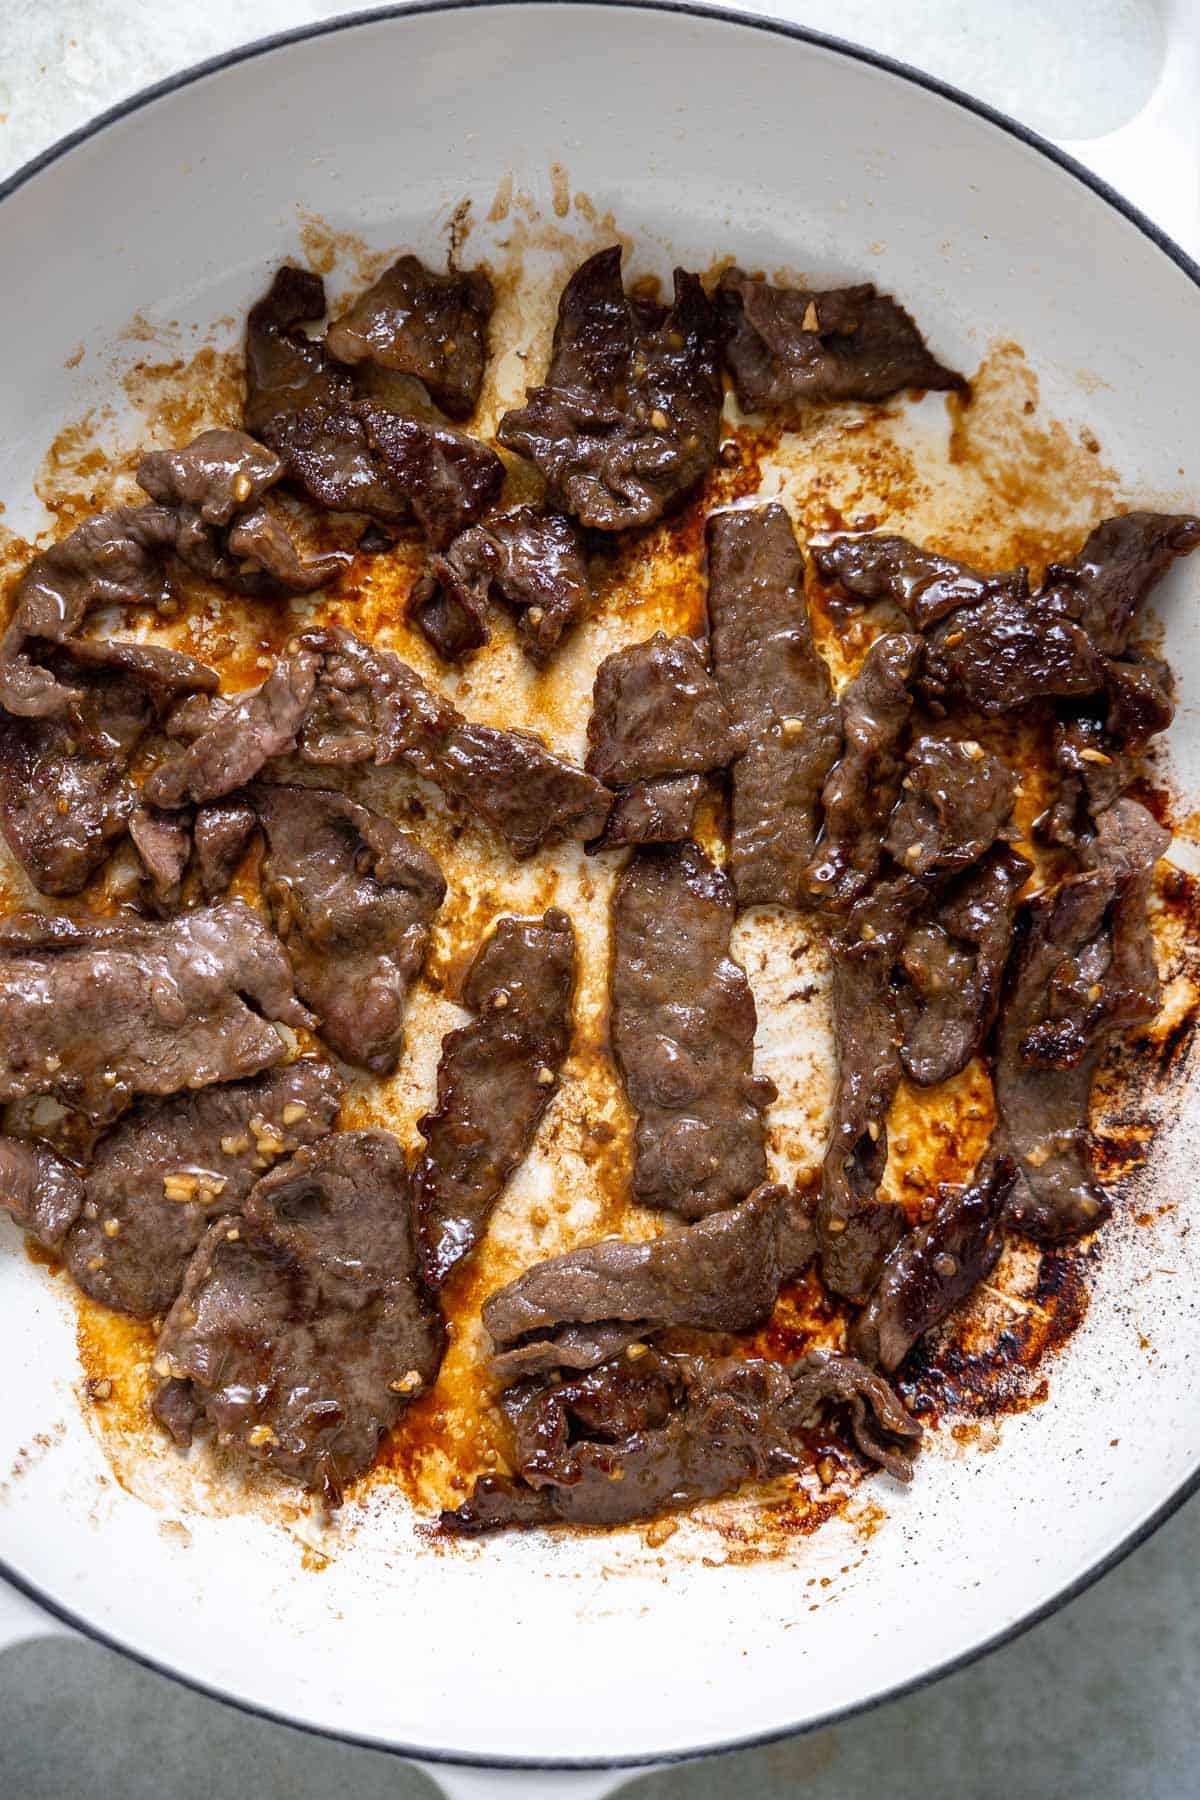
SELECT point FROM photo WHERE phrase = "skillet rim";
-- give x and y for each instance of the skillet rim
(701, 9)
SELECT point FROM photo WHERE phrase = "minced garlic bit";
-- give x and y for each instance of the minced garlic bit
(180, 1186)
(913, 854)
(974, 750)
(261, 1434)
(232, 1235)
(662, 1529)
(945, 1265)
(294, 1111)
(1094, 992)
(1041, 1153)
(867, 932)
(659, 419)
(96, 1263)
(243, 487)
(836, 1226)
(268, 1139)
(810, 321)
(500, 1000)
(633, 1351)
(111, 1227)
(827, 1470)
(99, 1388)
(1094, 756)
(406, 1384)
(790, 728)
(545, 1077)
(873, 1130)
(234, 1146)
(955, 637)
(163, 1367)
(536, 614)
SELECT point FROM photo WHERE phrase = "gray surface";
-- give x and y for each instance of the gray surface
(1099, 1701)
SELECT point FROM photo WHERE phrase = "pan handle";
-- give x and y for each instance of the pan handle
(459, 1783)
(1154, 160)
(22, 1619)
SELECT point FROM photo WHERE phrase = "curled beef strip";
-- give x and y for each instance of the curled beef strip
(1107, 584)
(41, 1193)
(1093, 771)
(352, 897)
(788, 346)
(652, 812)
(418, 322)
(925, 585)
(721, 1274)
(172, 1166)
(534, 561)
(957, 801)
(935, 1267)
(683, 1023)
(628, 418)
(1084, 969)
(94, 1010)
(302, 1330)
(286, 370)
(778, 692)
(222, 832)
(239, 737)
(628, 1440)
(496, 1078)
(864, 785)
(953, 961)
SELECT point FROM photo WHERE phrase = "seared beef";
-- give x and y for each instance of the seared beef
(1106, 585)
(856, 1229)
(629, 416)
(683, 1024)
(1094, 770)
(791, 346)
(721, 1274)
(861, 790)
(778, 692)
(417, 322)
(656, 710)
(957, 801)
(1083, 970)
(448, 479)
(935, 1267)
(496, 1078)
(627, 1440)
(302, 1330)
(172, 1166)
(42, 1194)
(164, 846)
(241, 737)
(1140, 699)
(94, 1010)
(953, 960)
(370, 705)
(533, 561)
(652, 812)
(222, 832)
(286, 370)
(925, 585)
(1005, 652)
(326, 453)
(352, 897)
(218, 475)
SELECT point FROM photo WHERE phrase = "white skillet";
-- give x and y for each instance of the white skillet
(712, 134)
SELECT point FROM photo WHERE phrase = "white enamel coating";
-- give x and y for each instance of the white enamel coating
(711, 137)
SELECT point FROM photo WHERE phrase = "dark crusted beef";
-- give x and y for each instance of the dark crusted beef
(683, 1024)
(286, 370)
(172, 1166)
(628, 418)
(957, 801)
(1106, 585)
(935, 1267)
(653, 812)
(222, 832)
(1083, 969)
(164, 845)
(788, 346)
(41, 1193)
(352, 897)
(417, 322)
(656, 710)
(1093, 771)
(627, 1440)
(94, 1011)
(448, 479)
(953, 962)
(778, 692)
(533, 561)
(302, 1330)
(721, 1274)
(240, 736)
(496, 1078)
(862, 788)
(326, 453)
(925, 585)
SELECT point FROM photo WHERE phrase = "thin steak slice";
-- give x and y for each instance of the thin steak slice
(789, 346)
(534, 561)
(628, 418)
(286, 370)
(935, 1267)
(652, 812)
(778, 692)
(94, 1011)
(683, 1023)
(864, 785)
(417, 322)
(352, 898)
(1083, 969)
(40, 1193)
(1123, 559)
(172, 1166)
(302, 1330)
(496, 1078)
(580, 1309)
(221, 833)
(240, 736)
(957, 801)
(629, 1440)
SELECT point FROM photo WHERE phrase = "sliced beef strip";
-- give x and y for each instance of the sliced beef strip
(1084, 969)
(957, 801)
(222, 832)
(327, 455)
(286, 370)
(241, 737)
(721, 1274)
(371, 706)
(534, 561)
(352, 897)
(302, 1331)
(496, 1078)
(1106, 585)
(93, 1011)
(788, 346)
(1139, 698)
(652, 812)
(1093, 771)
(171, 1166)
(864, 785)
(683, 1022)
(220, 473)
(925, 585)
(656, 710)
(418, 322)
(935, 1267)
(42, 1194)
(163, 842)
(448, 479)
(628, 419)
(778, 692)
(629, 1440)
(856, 1229)
(953, 962)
